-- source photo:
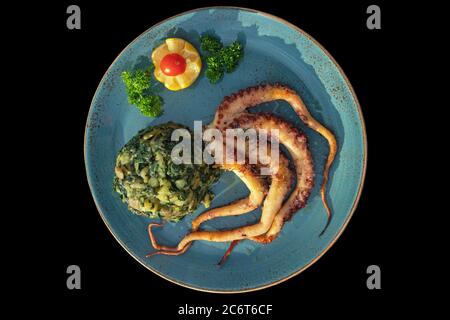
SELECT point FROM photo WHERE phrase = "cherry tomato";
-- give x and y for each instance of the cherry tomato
(173, 64)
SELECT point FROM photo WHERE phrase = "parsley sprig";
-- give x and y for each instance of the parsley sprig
(137, 85)
(220, 59)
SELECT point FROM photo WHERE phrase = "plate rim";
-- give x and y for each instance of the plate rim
(364, 160)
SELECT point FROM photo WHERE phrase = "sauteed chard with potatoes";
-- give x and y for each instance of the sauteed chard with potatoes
(152, 185)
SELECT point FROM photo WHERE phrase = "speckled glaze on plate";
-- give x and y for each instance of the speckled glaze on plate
(275, 51)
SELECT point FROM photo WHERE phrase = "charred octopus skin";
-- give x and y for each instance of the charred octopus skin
(247, 204)
(242, 100)
(297, 145)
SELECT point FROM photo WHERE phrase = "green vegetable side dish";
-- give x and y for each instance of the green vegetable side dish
(152, 185)
(137, 85)
(220, 59)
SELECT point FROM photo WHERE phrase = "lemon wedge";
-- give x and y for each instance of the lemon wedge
(177, 63)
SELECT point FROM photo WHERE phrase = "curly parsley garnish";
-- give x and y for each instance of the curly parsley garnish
(137, 85)
(210, 44)
(220, 59)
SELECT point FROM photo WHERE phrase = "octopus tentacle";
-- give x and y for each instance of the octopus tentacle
(275, 196)
(247, 204)
(160, 249)
(297, 145)
(168, 253)
(250, 97)
(278, 189)
(257, 193)
(228, 252)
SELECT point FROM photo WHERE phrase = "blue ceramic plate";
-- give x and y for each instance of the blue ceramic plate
(275, 51)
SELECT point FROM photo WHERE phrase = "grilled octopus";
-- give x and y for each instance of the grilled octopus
(231, 113)
(239, 102)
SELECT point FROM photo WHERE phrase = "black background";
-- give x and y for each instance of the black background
(73, 232)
